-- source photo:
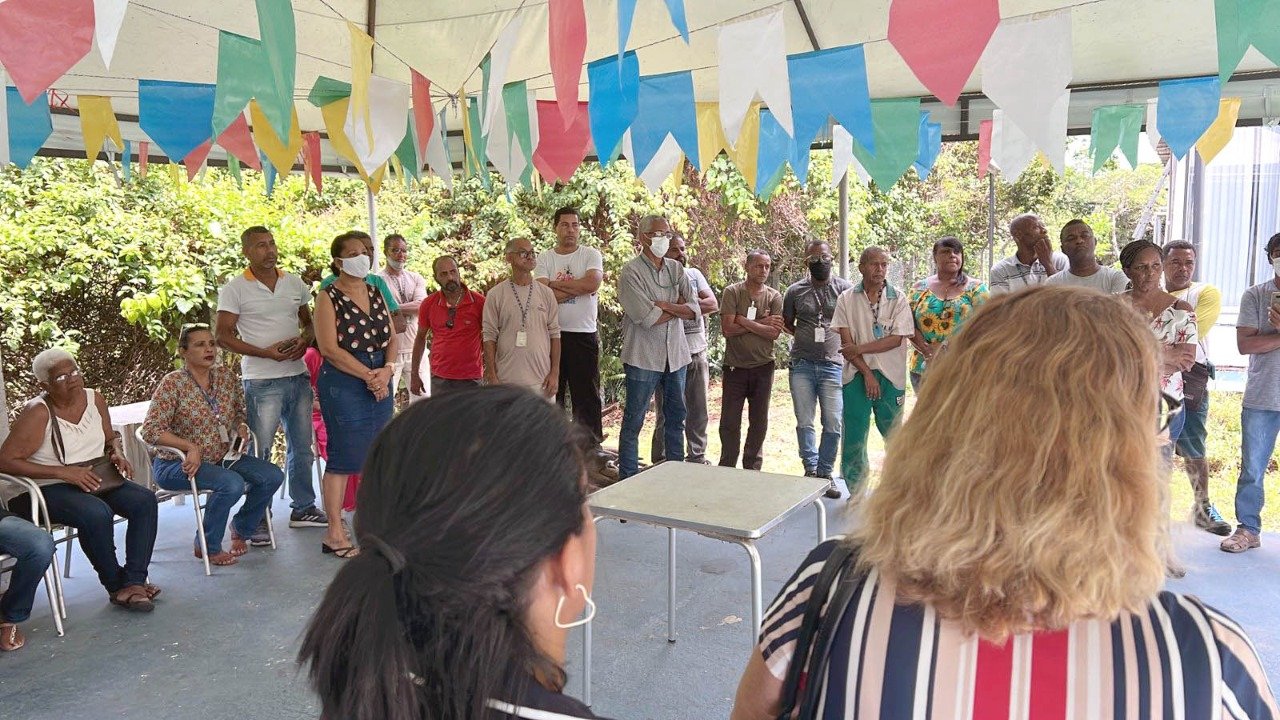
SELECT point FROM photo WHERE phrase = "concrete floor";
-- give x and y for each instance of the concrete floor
(223, 646)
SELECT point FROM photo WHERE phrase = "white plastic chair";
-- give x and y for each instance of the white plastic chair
(195, 493)
(39, 518)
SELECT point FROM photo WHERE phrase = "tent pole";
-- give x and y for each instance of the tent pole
(844, 226)
(373, 222)
(4, 405)
(991, 222)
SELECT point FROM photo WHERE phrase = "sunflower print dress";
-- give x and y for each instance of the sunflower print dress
(938, 319)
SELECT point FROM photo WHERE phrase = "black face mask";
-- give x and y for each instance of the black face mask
(821, 271)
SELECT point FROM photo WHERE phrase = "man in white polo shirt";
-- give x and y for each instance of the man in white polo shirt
(263, 315)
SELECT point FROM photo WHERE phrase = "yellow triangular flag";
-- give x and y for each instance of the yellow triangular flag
(361, 70)
(1219, 133)
(335, 118)
(174, 175)
(97, 123)
(375, 181)
(711, 139)
(281, 156)
(745, 153)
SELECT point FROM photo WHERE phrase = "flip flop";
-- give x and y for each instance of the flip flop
(10, 638)
(135, 601)
(152, 591)
(344, 553)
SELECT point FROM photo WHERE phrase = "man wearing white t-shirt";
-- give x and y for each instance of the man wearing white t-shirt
(264, 316)
(574, 272)
(1083, 269)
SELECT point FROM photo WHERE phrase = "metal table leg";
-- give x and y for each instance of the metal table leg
(757, 601)
(822, 520)
(671, 585)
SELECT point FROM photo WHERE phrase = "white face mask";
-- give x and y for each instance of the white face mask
(1275, 266)
(395, 264)
(357, 266)
(660, 244)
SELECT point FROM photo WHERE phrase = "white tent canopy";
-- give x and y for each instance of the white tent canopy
(1121, 47)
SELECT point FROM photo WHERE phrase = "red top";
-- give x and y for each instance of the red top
(456, 352)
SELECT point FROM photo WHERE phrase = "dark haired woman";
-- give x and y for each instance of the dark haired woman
(479, 554)
(354, 334)
(198, 410)
(941, 303)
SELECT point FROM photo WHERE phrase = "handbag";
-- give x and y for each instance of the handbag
(1195, 385)
(103, 467)
(802, 688)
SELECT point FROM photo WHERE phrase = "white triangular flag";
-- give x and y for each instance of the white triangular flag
(1153, 134)
(1011, 150)
(108, 16)
(663, 164)
(438, 153)
(388, 108)
(499, 59)
(1025, 69)
(753, 59)
(841, 153)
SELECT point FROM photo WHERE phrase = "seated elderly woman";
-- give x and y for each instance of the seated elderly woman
(1011, 561)
(63, 441)
(479, 553)
(198, 410)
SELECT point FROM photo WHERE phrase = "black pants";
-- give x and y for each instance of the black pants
(742, 386)
(580, 380)
(440, 386)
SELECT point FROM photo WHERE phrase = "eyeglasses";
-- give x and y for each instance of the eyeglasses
(66, 376)
(524, 254)
(822, 258)
(1170, 407)
(453, 315)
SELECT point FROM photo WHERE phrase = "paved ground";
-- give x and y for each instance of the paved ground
(223, 647)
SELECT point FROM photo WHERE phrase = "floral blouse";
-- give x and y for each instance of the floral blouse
(1174, 327)
(938, 319)
(359, 331)
(180, 406)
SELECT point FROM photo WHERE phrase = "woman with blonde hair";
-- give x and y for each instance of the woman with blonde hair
(1010, 562)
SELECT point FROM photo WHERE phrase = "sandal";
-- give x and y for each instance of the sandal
(239, 546)
(134, 598)
(152, 591)
(1240, 541)
(221, 558)
(10, 638)
(344, 553)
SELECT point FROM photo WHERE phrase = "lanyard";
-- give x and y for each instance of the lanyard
(524, 306)
(876, 331)
(820, 299)
(209, 397)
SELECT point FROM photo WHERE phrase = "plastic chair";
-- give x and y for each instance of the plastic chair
(195, 493)
(40, 518)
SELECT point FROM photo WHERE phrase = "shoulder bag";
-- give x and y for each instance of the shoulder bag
(103, 467)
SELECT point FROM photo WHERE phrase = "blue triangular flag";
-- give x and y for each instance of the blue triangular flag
(29, 126)
(665, 106)
(930, 145)
(614, 101)
(828, 83)
(1185, 110)
(177, 116)
(771, 157)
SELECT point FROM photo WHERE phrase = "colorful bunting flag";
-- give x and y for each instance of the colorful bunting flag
(326, 90)
(283, 152)
(1115, 126)
(984, 147)
(376, 134)
(774, 149)
(30, 124)
(97, 123)
(40, 40)
(495, 66)
(475, 146)
(627, 10)
(567, 35)
(238, 142)
(406, 153)
(711, 140)
(280, 44)
(560, 149)
(930, 146)
(614, 86)
(1025, 70)
(519, 104)
(126, 161)
(178, 116)
(1186, 109)
(424, 115)
(1219, 133)
(753, 60)
(335, 116)
(1244, 23)
(897, 128)
(1011, 150)
(942, 41)
(243, 74)
(144, 157)
(269, 175)
(361, 73)
(4, 119)
(841, 154)
(663, 165)
(195, 159)
(828, 83)
(438, 152)
(108, 17)
(233, 167)
(1150, 127)
(665, 105)
(311, 159)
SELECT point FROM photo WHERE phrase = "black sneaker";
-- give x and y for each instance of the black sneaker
(810, 472)
(308, 517)
(261, 536)
(1208, 518)
(833, 490)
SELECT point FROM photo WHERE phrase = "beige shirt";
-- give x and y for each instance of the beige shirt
(749, 350)
(503, 321)
(893, 314)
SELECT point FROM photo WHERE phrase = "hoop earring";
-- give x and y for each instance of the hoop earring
(591, 610)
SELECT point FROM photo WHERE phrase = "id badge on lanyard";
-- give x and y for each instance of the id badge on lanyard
(877, 331)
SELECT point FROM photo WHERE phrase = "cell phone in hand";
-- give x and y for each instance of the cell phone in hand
(1275, 301)
(287, 345)
(237, 445)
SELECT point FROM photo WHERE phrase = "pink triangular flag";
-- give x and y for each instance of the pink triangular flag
(984, 147)
(560, 150)
(144, 149)
(311, 157)
(237, 139)
(195, 159)
(567, 34)
(424, 117)
(942, 41)
(40, 40)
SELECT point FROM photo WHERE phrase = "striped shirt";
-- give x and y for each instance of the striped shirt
(1009, 274)
(1178, 659)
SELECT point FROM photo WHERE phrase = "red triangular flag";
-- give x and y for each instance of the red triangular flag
(984, 147)
(942, 41)
(144, 149)
(567, 34)
(560, 150)
(196, 158)
(40, 40)
(311, 157)
(424, 116)
(238, 140)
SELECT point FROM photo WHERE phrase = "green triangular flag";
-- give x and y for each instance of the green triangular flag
(1241, 23)
(243, 75)
(477, 154)
(896, 127)
(280, 53)
(407, 153)
(233, 166)
(1115, 126)
(327, 90)
(767, 191)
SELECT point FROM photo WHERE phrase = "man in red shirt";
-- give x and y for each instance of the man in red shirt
(452, 317)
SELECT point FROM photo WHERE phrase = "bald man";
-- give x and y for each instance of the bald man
(1033, 263)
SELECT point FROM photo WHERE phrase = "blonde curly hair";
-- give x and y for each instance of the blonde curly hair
(1024, 491)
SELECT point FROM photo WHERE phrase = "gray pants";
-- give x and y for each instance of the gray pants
(697, 380)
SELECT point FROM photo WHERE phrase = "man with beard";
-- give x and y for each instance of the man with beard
(452, 317)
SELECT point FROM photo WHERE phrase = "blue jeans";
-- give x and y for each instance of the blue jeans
(1258, 429)
(640, 387)
(93, 517)
(814, 382)
(252, 478)
(287, 400)
(32, 547)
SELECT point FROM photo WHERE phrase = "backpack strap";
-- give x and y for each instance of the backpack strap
(799, 670)
(55, 433)
(820, 658)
